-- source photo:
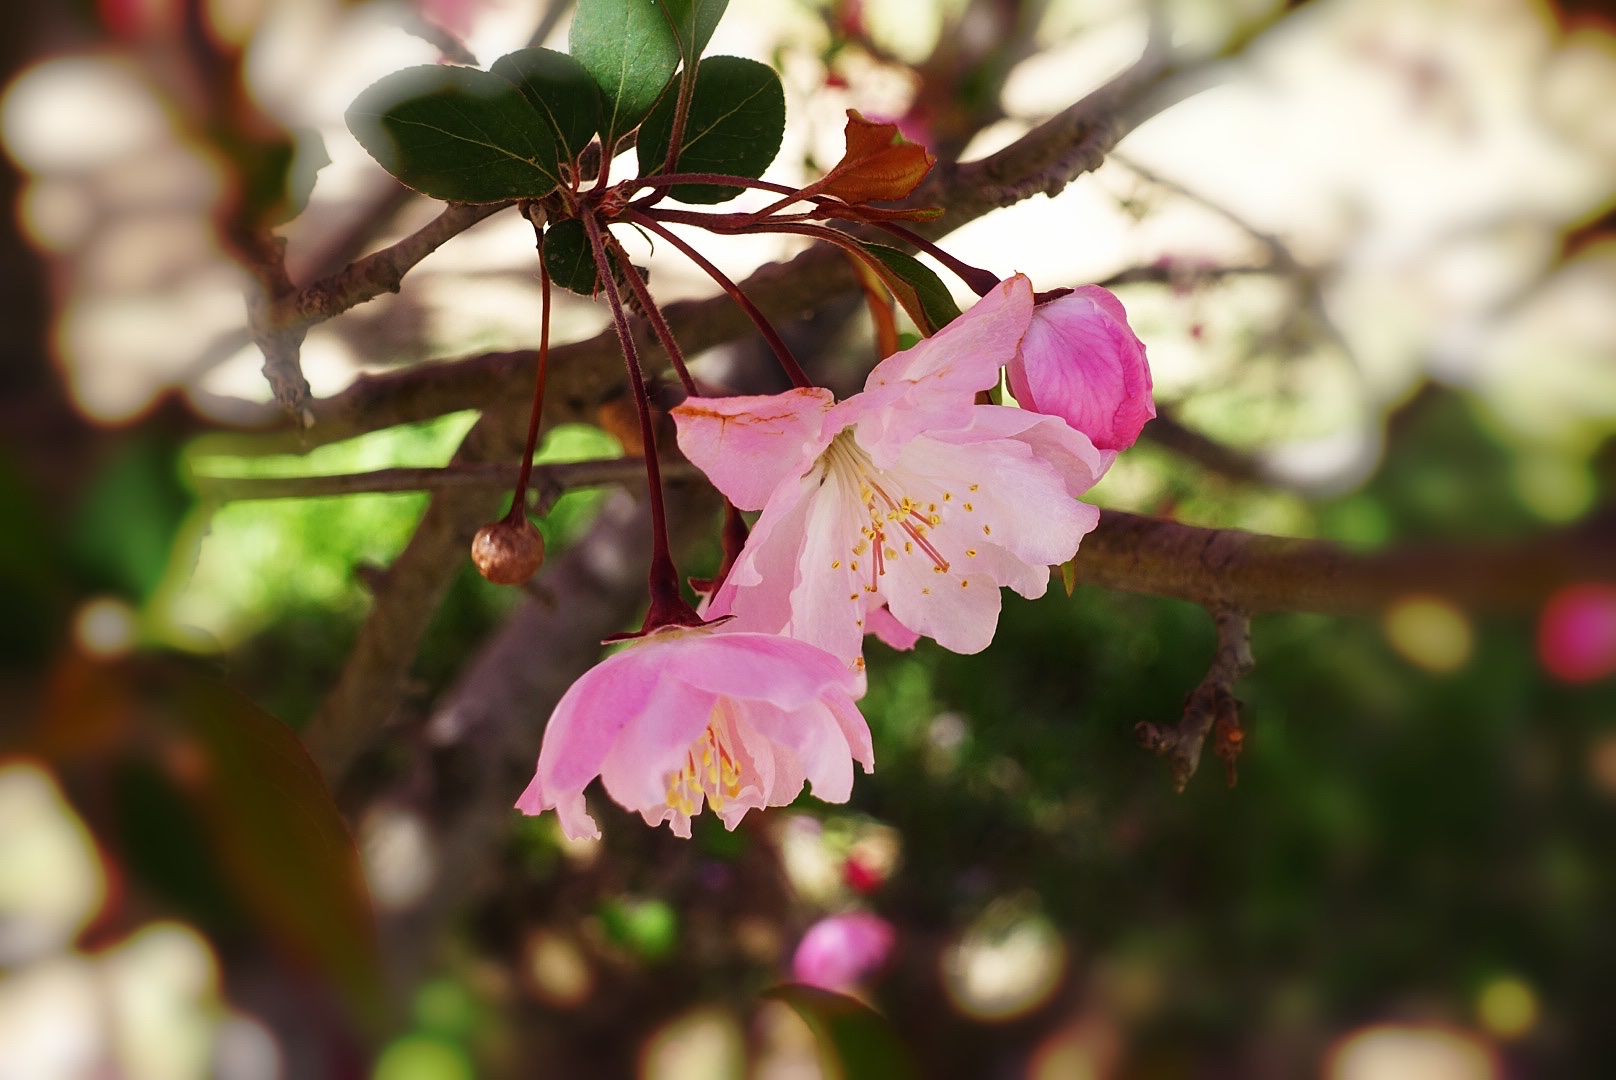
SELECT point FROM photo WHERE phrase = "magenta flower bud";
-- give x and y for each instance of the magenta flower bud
(1577, 635)
(1081, 361)
(840, 951)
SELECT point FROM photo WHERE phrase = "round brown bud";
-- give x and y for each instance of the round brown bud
(508, 552)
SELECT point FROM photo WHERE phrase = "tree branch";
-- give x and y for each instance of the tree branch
(485, 476)
(377, 273)
(1210, 704)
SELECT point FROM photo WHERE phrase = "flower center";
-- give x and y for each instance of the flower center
(893, 524)
(711, 770)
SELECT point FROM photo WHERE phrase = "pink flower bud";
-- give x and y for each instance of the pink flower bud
(1577, 637)
(1080, 361)
(839, 951)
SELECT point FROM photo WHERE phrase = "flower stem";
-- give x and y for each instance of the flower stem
(653, 314)
(519, 499)
(978, 280)
(668, 606)
(781, 351)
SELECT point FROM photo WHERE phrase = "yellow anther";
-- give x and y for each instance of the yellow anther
(987, 530)
(969, 508)
(937, 519)
(836, 564)
(948, 496)
(975, 486)
(964, 582)
(970, 553)
(891, 553)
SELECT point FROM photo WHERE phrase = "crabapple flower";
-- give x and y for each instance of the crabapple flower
(1081, 361)
(840, 951)
(908, 494)
(685, 716)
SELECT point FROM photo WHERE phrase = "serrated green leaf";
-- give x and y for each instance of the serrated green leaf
(568, 257)
(693, 23)
(921, 292)
(855, 1042)
(457, 134)
(737, 118)
(629, 49)
(560, 90)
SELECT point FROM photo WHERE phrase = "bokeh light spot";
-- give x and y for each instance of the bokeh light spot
(1576, 638)
(423, 1057)
(557, 970)
(706, 1044)
(106, 627)
(1005, 965)
(1430, 633)
(1507, 1007)
(1403, 1052)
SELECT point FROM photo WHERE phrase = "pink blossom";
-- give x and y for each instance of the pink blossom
(908, 494)
(1080, 361)
(1577, 636)
(686, 716)
(839, 951)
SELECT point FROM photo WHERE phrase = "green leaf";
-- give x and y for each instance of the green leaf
(568, 257)
(693, 23)
(457, 134)
(921, 292)
(560, 90)
(629, 49)
(737, 117)
(855, 1041)
(1068, 571)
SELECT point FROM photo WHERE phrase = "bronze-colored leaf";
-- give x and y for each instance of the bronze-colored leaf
(880, 164)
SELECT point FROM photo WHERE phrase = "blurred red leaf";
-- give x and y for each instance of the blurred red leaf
(275, 833)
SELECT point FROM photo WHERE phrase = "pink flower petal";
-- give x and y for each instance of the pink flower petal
(1081, 361)
(749, 446)
(966, 355)
(890, 631)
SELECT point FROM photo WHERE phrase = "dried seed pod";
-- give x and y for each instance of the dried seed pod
(508, 552)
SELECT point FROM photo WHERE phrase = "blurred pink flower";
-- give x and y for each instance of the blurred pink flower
(1080, 361)
(908, 494)
(1577, 635)
(840, 951)
(687, 716)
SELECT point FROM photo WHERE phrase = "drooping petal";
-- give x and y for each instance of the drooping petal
(854, 729)
(590, 715)
(1081, 361)
(890, 631)
(816, 738)
(749, 446)
(635, 771)
(783, 672)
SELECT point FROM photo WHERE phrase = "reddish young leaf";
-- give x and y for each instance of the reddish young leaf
(880, 164)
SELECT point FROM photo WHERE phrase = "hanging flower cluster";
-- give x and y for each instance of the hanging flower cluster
(901, 511)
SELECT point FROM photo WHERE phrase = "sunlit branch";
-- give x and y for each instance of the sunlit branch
(380, 272)
(545, 480)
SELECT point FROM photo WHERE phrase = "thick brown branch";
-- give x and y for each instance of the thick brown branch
(1229, 568)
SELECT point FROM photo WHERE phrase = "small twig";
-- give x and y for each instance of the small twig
(1210, 705)
(381, 272)
(560, 476)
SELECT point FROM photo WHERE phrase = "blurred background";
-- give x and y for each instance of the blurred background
(1370, 250)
